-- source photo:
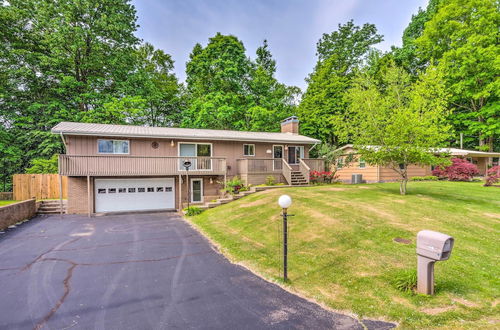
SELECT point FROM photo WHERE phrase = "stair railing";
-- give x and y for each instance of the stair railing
(305, 170)
(287, 172)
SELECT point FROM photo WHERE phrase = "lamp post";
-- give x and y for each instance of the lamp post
(187, 164)
(285, 202)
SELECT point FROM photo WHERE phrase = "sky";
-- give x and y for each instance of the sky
(291, 27)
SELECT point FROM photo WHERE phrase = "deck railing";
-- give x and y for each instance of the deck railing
(305, 170)
(259, 165)
(287, 172)
(315, 164)
(117, 165)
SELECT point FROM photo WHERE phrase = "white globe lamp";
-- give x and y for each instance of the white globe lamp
(285, 201)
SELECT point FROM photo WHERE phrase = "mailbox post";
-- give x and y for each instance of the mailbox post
(187, 164)
(432, 246)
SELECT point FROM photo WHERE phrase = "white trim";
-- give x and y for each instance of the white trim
(248, 144)
(300, 157)
(202, 196)
(113, 153)
(282, 154)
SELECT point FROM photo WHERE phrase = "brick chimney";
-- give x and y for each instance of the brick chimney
(290, 125)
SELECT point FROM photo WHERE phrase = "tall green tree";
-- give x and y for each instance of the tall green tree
(407, 55)
(154, 81)
(227, 90)
(60, 60)
(395, 122)
(463, 39)
(340, 54)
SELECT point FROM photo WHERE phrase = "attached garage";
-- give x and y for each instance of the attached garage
(138, 194)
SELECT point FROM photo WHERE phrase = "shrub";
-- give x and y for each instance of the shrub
(405, 280)
(270, 180)
(192, 210)
(322, 177)
(234, 186)
(492, 176)
(459, 170)
(424, 178)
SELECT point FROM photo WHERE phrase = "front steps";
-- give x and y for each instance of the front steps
(298, 179)
(51, 207)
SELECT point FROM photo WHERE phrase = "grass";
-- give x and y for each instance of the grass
(3, 203)
(342, 253)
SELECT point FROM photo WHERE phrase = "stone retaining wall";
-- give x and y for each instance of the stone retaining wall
(6, 196)
(13, 213)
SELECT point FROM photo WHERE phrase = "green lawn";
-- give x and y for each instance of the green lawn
(3, 203)
(342, 252)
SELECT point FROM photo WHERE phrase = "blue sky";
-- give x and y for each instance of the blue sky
(292, 27)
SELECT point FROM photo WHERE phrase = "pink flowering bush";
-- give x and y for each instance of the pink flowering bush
(320, 177)
(459, 170)
(493, 176)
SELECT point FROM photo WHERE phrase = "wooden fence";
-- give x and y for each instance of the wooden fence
(39, 186)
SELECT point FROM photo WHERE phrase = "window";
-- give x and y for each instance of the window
(122, 190)
(131, 190)
(141, 189)
(249, 150)
(168, 189)
(362, 163)
(340, 162)
(113, 146)
(151, 189)
(187, 150)
(101, 191)
(111, 190)
(159, 189)
(401, 166)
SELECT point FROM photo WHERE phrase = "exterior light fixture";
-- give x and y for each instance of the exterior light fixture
(211, 181)
(285, 202)
(172, 144)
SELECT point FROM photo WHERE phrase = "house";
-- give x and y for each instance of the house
(349, 163)
(114, 168)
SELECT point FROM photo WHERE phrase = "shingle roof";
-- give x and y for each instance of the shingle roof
(70, 128)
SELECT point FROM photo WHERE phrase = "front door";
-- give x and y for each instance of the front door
(196, 190)
(294, 154)
(277, 156)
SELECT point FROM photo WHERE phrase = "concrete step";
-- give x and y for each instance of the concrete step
(212, 204)
(224, 200)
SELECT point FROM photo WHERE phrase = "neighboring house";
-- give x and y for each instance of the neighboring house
(350, 163)
(120, 168)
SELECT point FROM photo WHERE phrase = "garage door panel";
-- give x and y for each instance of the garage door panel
(113, 195)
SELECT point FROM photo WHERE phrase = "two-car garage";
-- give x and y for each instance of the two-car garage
(137, 194)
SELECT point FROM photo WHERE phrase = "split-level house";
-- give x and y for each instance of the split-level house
(112, 168)
(349, 163)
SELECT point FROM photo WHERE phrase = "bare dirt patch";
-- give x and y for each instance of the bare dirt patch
(257, 202)
(437, 310)
(465, 302)
(492, 215)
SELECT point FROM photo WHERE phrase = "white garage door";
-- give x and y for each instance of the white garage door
(113, 195)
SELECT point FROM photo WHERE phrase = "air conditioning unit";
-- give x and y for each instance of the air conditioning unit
(357, 178)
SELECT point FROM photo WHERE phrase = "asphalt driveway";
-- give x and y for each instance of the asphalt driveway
(139, 271)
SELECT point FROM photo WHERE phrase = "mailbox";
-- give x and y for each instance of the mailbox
(432, 246)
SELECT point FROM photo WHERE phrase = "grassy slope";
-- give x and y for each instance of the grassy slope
(3, 203)
(343, 255)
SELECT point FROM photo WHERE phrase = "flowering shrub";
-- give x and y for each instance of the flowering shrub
(234, 186)
(325, 176)
(493, 176)
(459, 170)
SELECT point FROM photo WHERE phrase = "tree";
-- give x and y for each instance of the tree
(396, 123)
(462, 38)
(58, 61)
(339, 53)
(407, 56)
(227, 90)
(42, 165)
(10, 157)
(154, 81)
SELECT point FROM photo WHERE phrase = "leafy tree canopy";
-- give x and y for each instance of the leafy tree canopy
(339, 53)
(394, 122)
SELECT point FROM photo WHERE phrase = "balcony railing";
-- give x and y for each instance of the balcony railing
(117, 165)
(259, 165)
